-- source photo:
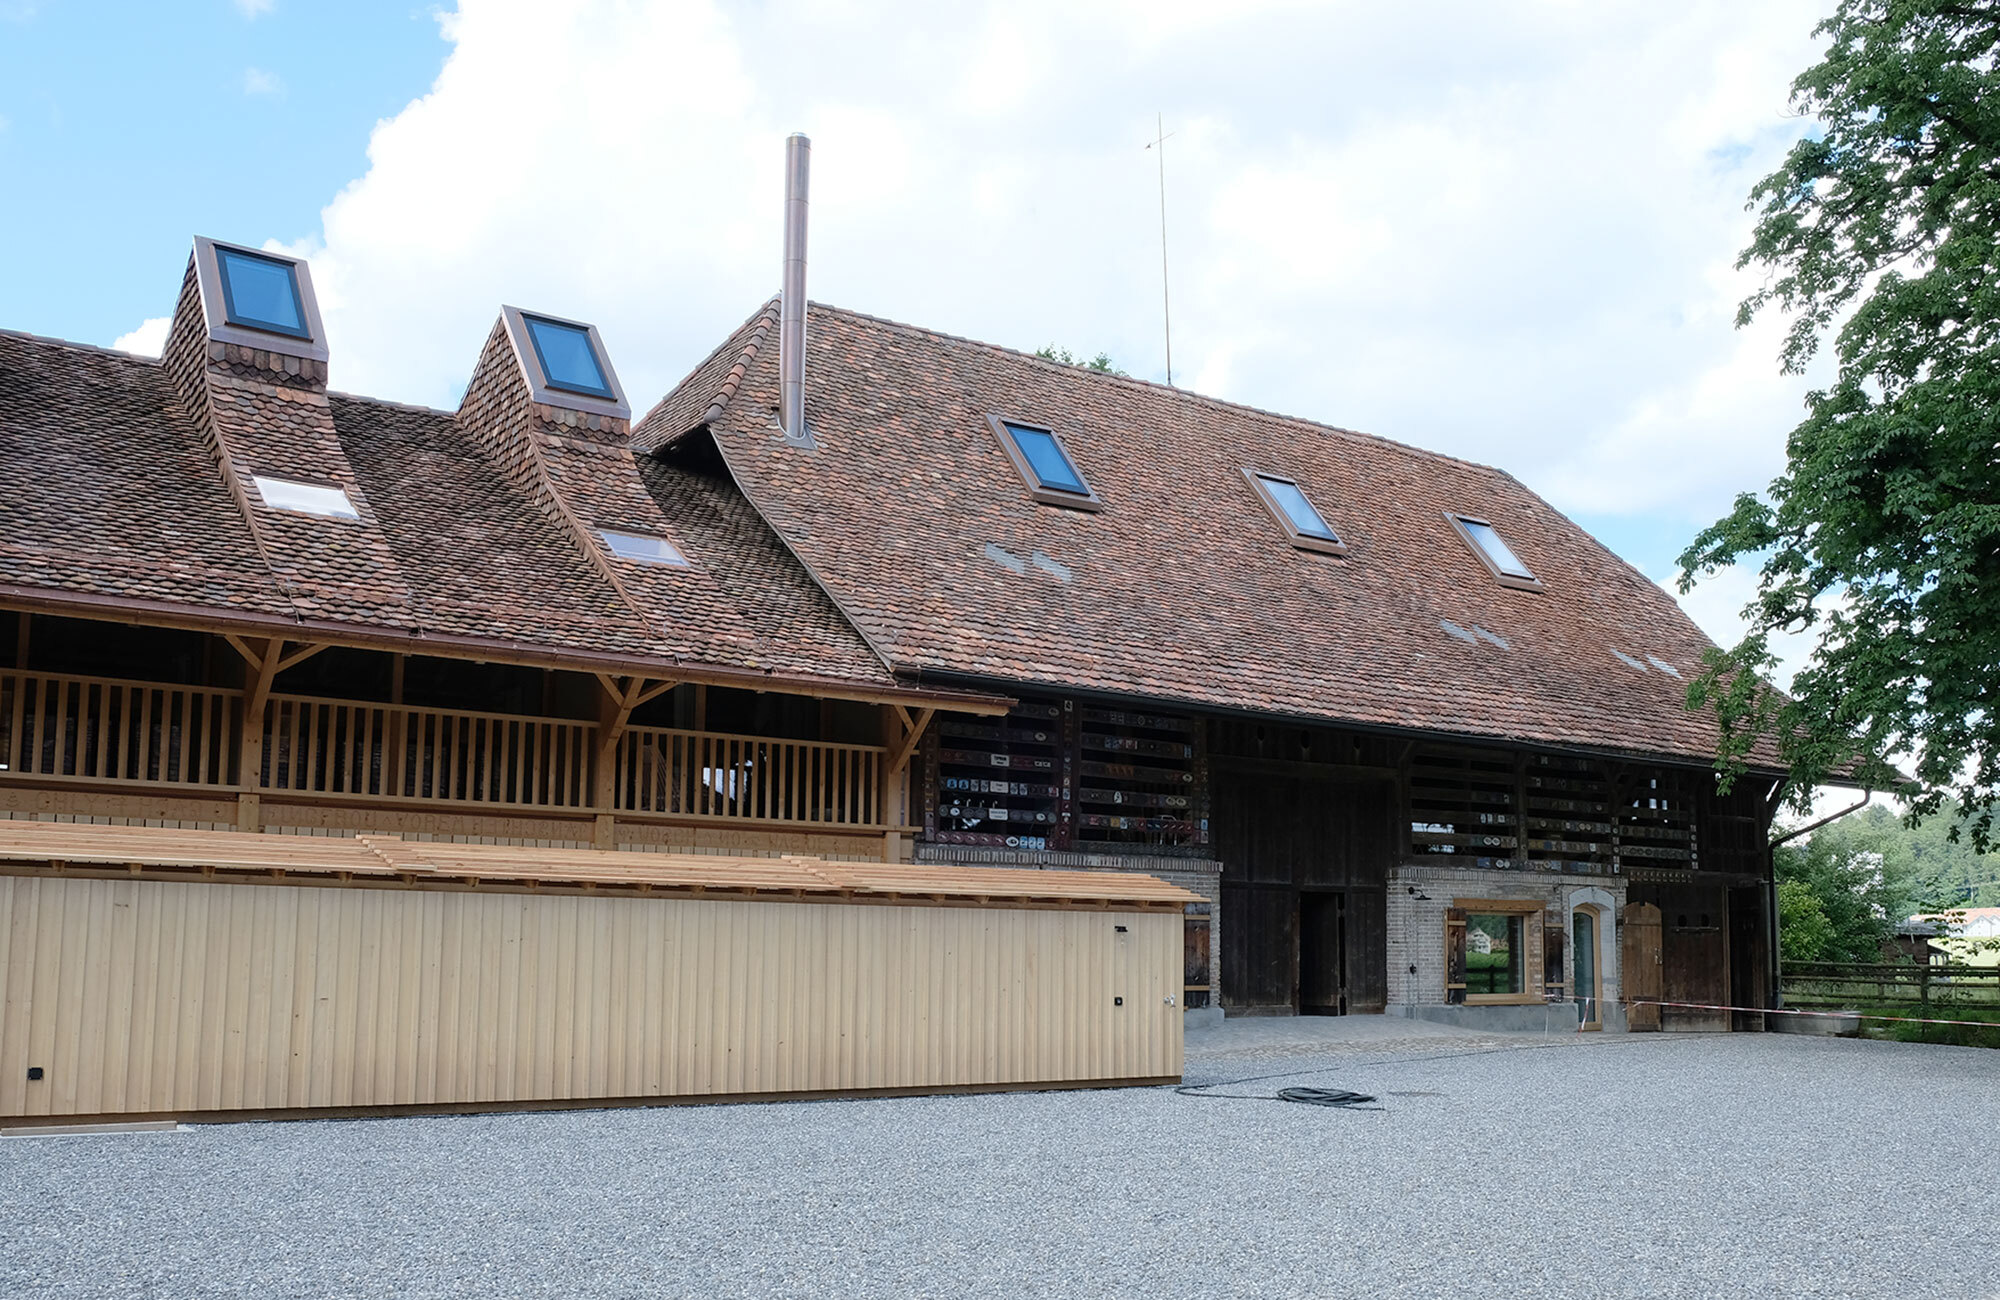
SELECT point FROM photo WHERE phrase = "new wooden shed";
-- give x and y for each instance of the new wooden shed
(149, 972)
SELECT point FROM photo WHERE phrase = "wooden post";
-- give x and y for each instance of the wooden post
(894, 789)
(392, 769)
(263, 670)
(618, 697)
(897, 776)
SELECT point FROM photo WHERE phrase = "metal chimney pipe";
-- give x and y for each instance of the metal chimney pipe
(792, 301)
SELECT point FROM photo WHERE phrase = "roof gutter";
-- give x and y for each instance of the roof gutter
(489, 650)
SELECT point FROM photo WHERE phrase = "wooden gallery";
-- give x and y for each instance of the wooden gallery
(882, 711)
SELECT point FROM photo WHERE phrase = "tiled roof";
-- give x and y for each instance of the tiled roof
(130, 481)
(1183, 587)
(109, 491)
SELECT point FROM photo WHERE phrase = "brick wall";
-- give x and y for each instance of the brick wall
(1416, 923)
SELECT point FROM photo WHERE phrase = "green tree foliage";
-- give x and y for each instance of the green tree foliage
(1841, 892)
(1804, 932)
(1941, 869)
(1881, 231)
(1101, 362)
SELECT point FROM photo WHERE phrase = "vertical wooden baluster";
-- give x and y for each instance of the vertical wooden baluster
(200, 750)
(108, 699)
(143, 744)
(17, 682)
(177, 750)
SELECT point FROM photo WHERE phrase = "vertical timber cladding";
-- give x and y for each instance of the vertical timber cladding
(1305, 829)
(1068, 775)
(134, 997)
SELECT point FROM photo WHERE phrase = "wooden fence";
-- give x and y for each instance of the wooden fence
(1840, 984)
(68, 728)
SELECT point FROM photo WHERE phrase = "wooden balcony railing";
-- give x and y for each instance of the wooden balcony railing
(104, 730)
(447, 755)
(703, 774)
(69, 728)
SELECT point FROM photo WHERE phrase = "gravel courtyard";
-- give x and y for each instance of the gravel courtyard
(1751, 1165)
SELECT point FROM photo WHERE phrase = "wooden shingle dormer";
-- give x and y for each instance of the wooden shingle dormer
(247, 356)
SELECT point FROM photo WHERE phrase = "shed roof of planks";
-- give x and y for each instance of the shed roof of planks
(388, 861)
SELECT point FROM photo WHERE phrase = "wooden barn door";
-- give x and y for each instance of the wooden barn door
(1639, 966)
(1304, 867)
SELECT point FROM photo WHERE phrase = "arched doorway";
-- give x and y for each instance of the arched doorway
(1593, 955)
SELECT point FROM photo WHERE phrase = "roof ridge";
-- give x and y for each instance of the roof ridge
(757, 324)
(49, 340)
(391, 403)
(1189, 394)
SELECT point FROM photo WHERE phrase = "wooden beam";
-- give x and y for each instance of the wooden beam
(478, 649)
(298, 656)
(251, 746)
(900, 759)
(655, 691)
(250, 657)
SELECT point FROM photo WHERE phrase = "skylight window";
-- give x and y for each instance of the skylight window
(1494, 552)
(1295, 513)
(261, 293)
(568, 357)
(643, 547)
(565, 363)
(1044, 465)
(305, 498)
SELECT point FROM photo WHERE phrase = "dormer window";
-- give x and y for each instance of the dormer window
(568, 359)
(305, 498)
(565, 363)
(261, 293)
(258, 300)
(1043, 463)
(1494, 552)
(1295, 513)
(643, 547)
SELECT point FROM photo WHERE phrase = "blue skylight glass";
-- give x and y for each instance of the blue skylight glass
(1045, 457)
(1297, 509)
(568, 360)
(1502, 556)
(261, 293)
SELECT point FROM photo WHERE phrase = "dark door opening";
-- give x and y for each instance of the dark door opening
(1749, 954)
(1322, 953)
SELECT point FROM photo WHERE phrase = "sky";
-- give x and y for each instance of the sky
(1505, 232)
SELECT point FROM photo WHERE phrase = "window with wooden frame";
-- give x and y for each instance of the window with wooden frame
(1295, 513)
(1492, 550)
(1486, 951)
(1044, 464)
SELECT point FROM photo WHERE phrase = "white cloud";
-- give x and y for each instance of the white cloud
(254, 8)
(149, 340)
(1503, 232)
(256, 81)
